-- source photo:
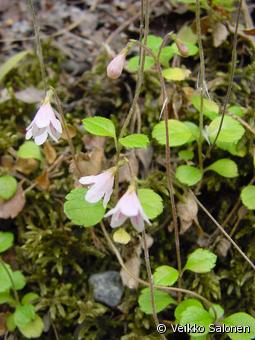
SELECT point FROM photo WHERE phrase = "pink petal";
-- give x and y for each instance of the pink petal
(107, 197)
(29, 134)
(117, 219)
(44, 116)
(87, 180)
(57, 125)
(138, 222)
(94, 194)
(40, 139)
(129, 204)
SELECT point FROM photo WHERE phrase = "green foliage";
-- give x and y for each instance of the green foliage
(237, 110)
(99, 126)
(154, 42)
(8, 278)
(29, 150)
(29, 298)
(188, 174)
(179, 133)
(151, 202)
(186, 155)
(162, 300)
(224, 167)
(182, 306)
(195, 315)
(81, 212)
(201, 261)
(11, 63)
(231, 130)
(23, 315)
(210, 108)
(248, 196)
(240, 319)
(136, 140)
(8, 187)
(165, 276)
(175, 74)
(216, 309)
(133, 64)
(6, 241)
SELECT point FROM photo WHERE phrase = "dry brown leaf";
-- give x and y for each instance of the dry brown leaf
(3, 317)
(71, 132)
(220, 34)
(223, 247)
(133, 266)
(187, 212)
(7, 162)
(12, 207)
(145, 156)
(43, 181)
(26, 166)
(49, 152)
(250, 31)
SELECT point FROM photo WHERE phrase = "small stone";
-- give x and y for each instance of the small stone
(107, 287)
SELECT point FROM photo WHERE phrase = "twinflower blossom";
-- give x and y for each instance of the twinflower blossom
(100, 186)
(115, 67)
(44, 123)
(128, 206)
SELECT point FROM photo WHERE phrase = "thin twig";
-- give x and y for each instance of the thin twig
(38, 45)
(231, 76)
(223, 231)
(201, 84)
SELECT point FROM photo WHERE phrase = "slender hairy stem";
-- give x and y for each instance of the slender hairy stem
(10, 277)
(201, 84)
(69, 139)
(223, 231)
(150, 278)
(231, 76)
(144, 22)
(38, 45)
(168, 163)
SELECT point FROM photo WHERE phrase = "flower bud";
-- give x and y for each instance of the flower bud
(182, 48)
(115, 67)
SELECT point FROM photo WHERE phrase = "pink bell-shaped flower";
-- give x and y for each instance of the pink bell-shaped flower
(101, 186)
(128, 206)
(115, 67)
(44, 123)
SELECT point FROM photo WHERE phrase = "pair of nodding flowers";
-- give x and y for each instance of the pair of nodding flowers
(129, 206)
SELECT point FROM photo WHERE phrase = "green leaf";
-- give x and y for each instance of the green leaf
(81, 212)
(33, 329)
(237, 110)
(99, 126)
(166, 55)
(165, 276)
(210, 108)
(18, 280)
(24, 314)
(236, 149)
(151, 202)
(29, 150)
(5, 297)
(188, 174)
(154, 42)
(133, 63)
(192, 49)
(244, 320)
(216, 309)
(194, 129)
(184, 305)
(11, 63)
(29, 298)
(201, 261)
(187, 35)
(10, 323)
(175, 73)
(6, 240)
(248, 197)
(231, 130)
(5, 282)
(186, 155)
(179, 133)
(224, 167)
(136, 140)
(198, 316)
(8, 187)
(162, 300)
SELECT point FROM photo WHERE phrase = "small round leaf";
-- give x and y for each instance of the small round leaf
(151, 203)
